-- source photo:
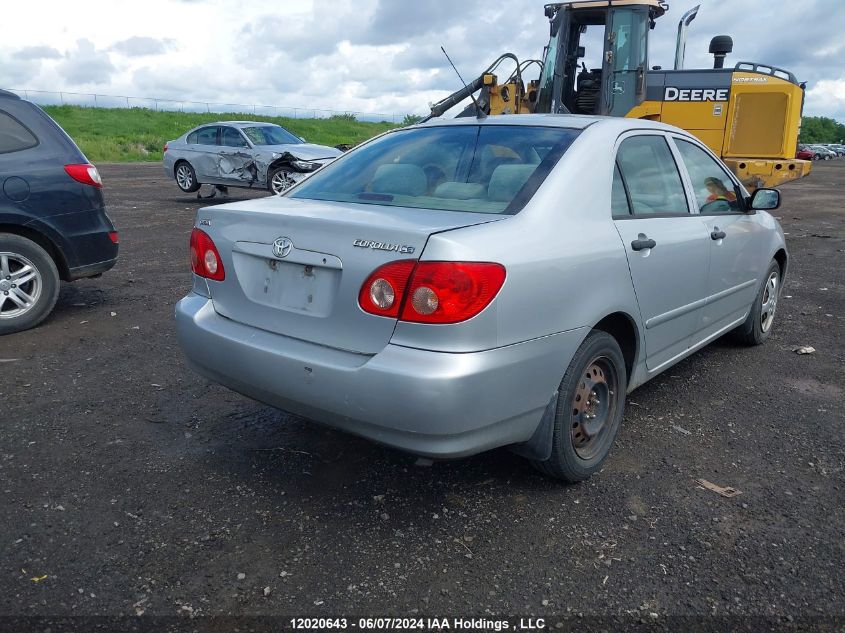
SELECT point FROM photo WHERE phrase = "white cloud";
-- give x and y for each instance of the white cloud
(364, 55)
(86, 65)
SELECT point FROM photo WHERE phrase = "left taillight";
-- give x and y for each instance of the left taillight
(205, 260)
(86, 174)
(165, 148)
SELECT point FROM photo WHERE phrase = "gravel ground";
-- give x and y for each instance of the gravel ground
(128, 485)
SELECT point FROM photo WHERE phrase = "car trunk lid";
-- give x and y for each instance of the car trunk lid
(307, 285)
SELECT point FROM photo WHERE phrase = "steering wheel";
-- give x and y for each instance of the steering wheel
(717, 206)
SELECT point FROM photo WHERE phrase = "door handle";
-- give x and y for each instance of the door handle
(642, 242)
(717, 234)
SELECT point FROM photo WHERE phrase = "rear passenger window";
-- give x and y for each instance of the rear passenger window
(192, 138)
(654, 184)
(618, 197)
(14, 137)
(207, 136)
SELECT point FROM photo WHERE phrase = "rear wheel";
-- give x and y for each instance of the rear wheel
(186, 177)
(590, 406)
(758, 326)
(29, 284)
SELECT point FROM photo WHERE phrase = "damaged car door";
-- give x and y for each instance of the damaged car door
(203, 147)
(236, 162)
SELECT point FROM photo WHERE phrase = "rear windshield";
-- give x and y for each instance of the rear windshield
(476, 168)
(271, 135)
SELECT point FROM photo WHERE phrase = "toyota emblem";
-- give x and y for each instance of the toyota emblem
(282, 246)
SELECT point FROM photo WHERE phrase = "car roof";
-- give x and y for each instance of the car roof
(8, 95)
(572, 121)
(237, 123)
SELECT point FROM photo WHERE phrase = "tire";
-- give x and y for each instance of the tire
(576, 454)
(29, 284)
(186, 177)
(827, 156)
(276, 180)
(816, 157)
(758, 326)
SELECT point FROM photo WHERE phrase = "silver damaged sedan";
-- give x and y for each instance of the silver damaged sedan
(242, 154)
(467, 284)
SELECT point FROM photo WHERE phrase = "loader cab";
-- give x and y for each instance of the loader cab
(614, 39)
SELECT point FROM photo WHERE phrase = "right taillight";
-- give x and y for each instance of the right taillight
(431, 292)
(205, 260)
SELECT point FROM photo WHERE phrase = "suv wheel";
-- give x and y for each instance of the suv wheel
(186, 177)
(29, 284)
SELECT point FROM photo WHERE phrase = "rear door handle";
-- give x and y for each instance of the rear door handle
(642, 242)
(716, 234)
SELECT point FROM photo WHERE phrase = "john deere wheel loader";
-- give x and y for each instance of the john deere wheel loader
(749, 115)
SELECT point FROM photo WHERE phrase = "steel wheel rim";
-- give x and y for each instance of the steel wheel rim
(20, 285)
(184, 177)
(280, 182)
(593, 408)
(769, 303)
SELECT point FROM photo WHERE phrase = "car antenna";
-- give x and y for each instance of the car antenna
(480, 113)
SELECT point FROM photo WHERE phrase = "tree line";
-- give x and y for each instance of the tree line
(821, 129)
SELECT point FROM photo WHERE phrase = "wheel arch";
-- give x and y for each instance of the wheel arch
(53, 250)
(622, 327)
(782, 259)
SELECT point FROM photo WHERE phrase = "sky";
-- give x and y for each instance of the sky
(367, 55)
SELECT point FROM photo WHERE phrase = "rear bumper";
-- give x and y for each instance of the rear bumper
(755, 173)
(429, 403)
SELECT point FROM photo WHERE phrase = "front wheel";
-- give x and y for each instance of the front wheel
(29, 284)
(590, 406)
(758, 326)
(279, 181)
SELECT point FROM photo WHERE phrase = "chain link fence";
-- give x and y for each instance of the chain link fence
(91, 100)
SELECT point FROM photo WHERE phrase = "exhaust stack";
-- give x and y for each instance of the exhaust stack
(681, 46)
(720, 46)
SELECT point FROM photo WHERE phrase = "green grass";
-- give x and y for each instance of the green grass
(137, 134)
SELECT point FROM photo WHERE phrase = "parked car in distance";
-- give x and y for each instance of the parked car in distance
(805, 153)
(821, 152)
(465, 284)
(242, 154)
(53, 221)
(835, 147)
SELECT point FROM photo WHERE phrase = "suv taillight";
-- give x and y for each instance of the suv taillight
(86, 174)
(205, 260)
(431, 292)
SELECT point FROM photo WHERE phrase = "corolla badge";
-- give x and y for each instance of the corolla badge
(282, 246)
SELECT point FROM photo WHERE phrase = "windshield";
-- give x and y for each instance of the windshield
(271, 135)
(481, 169)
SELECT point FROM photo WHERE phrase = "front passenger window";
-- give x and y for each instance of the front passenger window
(654, 183)
(233, 138)
(715, 191)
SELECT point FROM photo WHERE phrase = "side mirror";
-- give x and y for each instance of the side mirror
(765, 199)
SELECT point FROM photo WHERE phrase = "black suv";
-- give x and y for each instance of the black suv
(53, 222)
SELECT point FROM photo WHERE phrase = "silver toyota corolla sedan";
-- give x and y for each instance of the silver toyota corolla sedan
(467, 284)
(242, 154)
